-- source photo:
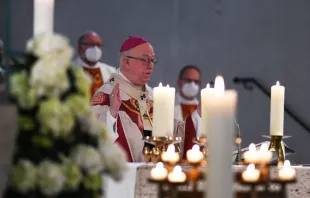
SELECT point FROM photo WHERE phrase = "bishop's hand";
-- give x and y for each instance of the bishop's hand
(115, 100)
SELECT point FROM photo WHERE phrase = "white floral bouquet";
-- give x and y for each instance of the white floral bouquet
(61, 149)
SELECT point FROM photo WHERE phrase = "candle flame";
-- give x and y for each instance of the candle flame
(177, 169)
(252, 147)
(278, 83)
(251, 167)
(196, 148)
(287, 164)
(171, 149)
(219, 85)
(159, 165)
(160, 84)
(208, 86)
(264, 148)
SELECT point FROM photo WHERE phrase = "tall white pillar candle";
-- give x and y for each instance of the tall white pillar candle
(163, 110)
(220, 129)
(204, 94)
(43, 16)
(277, 109)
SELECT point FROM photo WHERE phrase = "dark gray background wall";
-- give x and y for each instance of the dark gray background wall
(266, 39)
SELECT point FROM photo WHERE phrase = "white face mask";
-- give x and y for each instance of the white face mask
(93, 54)
(190, 90)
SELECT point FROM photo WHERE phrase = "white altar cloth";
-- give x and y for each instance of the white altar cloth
(126, 187)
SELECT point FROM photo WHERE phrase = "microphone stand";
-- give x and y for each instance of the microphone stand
(238, 141)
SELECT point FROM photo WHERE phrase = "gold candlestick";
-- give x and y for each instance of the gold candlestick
(195, 174)
(276, 143)
(147, 154)
(160, 145)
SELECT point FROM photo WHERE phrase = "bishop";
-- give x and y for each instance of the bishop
(125, 102)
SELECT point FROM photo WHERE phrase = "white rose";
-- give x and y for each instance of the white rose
(73, 174)
(48, 78)
(24, 176)
(55, 117)
(46, 44)
(88, 158)
(51, 180)
(20, 89)
(114, 159)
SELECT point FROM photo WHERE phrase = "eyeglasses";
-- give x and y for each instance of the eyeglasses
(146, 61)
(187, 80)
(92, 44)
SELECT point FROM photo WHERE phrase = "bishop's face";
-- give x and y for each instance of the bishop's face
(140, 63)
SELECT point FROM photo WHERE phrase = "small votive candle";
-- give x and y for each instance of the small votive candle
(265, 156)
(194, 155)
(170, 155)
(287, 173)
(251, 174)
(177, 176)
(159, 173)
(251, 156)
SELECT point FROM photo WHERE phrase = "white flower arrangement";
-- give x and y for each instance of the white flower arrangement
(51, 179)
(56, 122)
(88, 158)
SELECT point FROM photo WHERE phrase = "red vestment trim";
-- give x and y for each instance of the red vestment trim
(122, 140)
(190, 134)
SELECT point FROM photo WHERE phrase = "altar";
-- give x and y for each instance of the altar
(135, 184)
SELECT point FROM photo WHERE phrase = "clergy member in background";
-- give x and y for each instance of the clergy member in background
(90, 51)
(189, 86)
(125, 102)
